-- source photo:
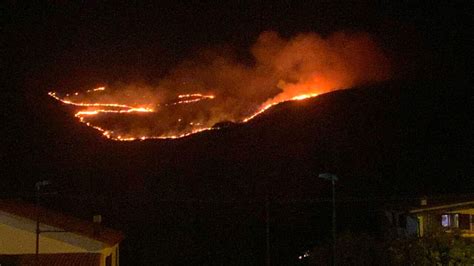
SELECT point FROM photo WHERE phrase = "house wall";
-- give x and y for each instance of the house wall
(421, 223)
(431, 221)
(113, 252)
(18, 241)
(427, 223)
(470, 212)
(18, 236)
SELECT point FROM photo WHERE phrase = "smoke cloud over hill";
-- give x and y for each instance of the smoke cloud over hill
(215, 86)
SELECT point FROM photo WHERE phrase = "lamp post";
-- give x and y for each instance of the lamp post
(268, 261)
(333, 178)
(38, 186)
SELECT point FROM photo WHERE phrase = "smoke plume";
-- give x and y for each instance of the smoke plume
(282, 68)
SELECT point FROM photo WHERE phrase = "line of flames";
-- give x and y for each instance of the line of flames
(197, 97)
(122, 108)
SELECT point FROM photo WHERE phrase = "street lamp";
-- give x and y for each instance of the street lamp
(333, 178)
(38, 186)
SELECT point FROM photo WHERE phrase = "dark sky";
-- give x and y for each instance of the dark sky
(76, 44)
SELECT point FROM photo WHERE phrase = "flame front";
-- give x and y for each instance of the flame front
(213, 87)
(116, 108)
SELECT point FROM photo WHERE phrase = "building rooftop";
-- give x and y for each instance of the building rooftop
(434, 203)
(67, 223)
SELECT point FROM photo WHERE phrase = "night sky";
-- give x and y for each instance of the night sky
(95, 42)
(421, 121)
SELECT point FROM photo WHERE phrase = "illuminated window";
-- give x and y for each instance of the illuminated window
(455, 222)
(450, 220)
(445, 221)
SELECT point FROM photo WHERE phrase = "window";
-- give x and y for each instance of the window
(465, 221)
(450, 220)
(402, 221)
(455, 220)
(445, 220)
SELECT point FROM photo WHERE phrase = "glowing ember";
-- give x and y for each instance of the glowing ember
(304, 96)
(195, 95)
(53, 94)
(183, 104)
(191, 98)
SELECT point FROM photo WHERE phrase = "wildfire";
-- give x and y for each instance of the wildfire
(191, 98)
(266, 107)
(115, 108)
(182, 103)
(53, 94)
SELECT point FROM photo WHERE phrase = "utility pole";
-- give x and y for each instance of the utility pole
(267, 221)
(37, 225)
(38, 186)
(334, 238)
(333, 178)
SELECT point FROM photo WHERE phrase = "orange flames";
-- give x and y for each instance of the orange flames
(123, 109)
(284, 70)
(115, 108)
(191, 98)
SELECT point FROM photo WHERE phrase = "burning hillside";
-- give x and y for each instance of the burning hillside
(215, 87)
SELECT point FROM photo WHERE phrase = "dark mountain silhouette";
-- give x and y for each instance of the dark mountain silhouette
(396, 137)
(385, 140)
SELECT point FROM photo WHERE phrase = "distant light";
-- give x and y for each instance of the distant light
(305, 255)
